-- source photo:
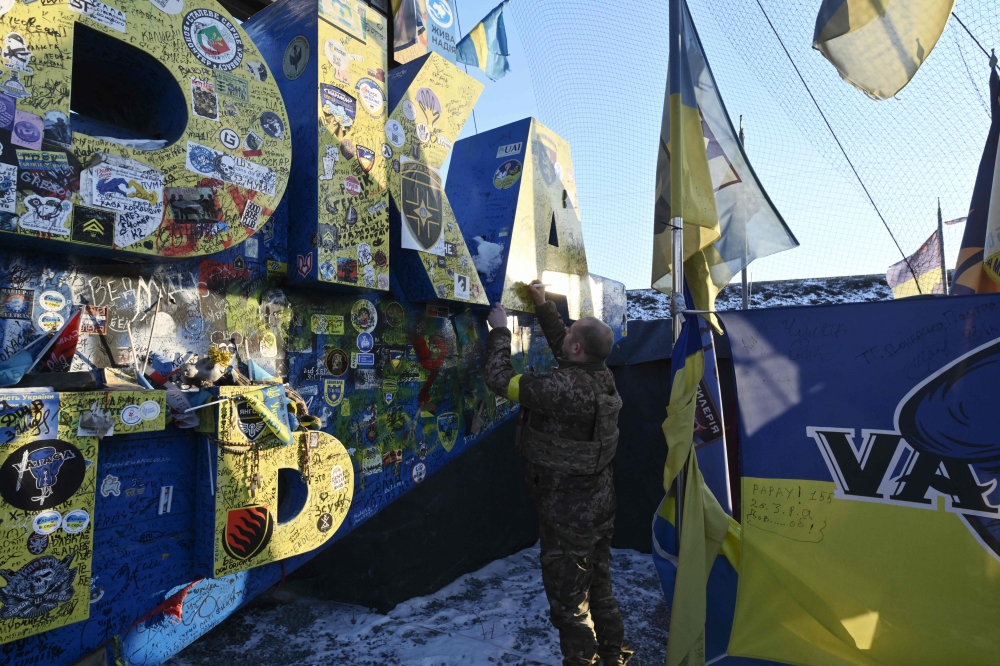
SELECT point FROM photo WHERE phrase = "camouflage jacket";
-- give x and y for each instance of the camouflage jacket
(563, 406)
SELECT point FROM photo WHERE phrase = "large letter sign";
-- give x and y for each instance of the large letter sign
(181, 182)
(514, 193)
(431, 99)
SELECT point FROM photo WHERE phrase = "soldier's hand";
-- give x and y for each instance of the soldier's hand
(537, 291)
(497, 317)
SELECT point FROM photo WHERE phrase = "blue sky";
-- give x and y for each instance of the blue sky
(595, 73)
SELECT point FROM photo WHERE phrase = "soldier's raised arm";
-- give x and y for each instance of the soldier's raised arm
(548, 318)
(532, 392)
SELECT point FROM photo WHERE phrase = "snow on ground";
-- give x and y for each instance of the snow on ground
(497, 615)
(651, 304)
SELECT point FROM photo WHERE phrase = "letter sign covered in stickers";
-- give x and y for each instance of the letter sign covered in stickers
(138, 196)
(244, 516)
(425, 121)
(353, 187)
(48, 485)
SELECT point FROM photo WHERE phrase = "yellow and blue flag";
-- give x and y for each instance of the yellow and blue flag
(485, 46)
(877, 45)
(921, 272)
(704, 177)
(697, 423)
(685, 568)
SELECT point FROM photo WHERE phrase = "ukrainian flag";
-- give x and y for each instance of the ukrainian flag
(973, 275)
(704, 177)
(920, 273)
(485, 46)
(704, 523)
(878, 45)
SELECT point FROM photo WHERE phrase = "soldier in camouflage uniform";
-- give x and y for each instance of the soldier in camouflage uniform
(567, 434)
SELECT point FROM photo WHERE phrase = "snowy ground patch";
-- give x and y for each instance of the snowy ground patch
(497, 615)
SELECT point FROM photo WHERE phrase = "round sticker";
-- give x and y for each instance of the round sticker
(394, 314)
(46, 522)
(50, 321)
(386, 151)
(372, 97)
(336, 362)
(365, 342)
(383, 281)
(229, 138)
(394, 133)
(408, 110)
(256, 69)
(41, 474)
(364, 317)
(423, 134)
(52, 301)
(27, 132)
(296, 58)
(131, 415)
(347, 148)
(336, 54)
(202, 159)
(419, 472)
(75, 521)
(507, 174)
(149, 410)
(37, 543)
(440, 12)
(352, 186)
(324, 523)
(272, 125)
(213, 39)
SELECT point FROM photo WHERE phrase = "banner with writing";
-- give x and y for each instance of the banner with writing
(870, 499)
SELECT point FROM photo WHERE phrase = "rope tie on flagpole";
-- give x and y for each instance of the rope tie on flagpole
(839, 145)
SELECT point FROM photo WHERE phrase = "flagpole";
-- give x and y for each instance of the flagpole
(676, 223)
(944, 268)
(746, 238)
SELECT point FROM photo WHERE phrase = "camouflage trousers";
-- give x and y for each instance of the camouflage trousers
(576, 572)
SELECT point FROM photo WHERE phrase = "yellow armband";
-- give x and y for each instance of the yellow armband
(514, 388)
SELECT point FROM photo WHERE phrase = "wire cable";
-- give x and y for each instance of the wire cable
(839, 145)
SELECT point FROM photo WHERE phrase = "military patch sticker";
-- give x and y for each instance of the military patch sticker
(93, 226)
(296, 58)
(37, 588)
(40, 475)
(212, 39)
(333, 391)
(16, 303)
(336, 362)
(248, 531)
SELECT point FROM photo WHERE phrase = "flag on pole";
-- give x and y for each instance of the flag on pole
(920, 273)
(58, 354)
(705, 524)
(969, 277)
(876, 45)
(703, 176)
(485, 46)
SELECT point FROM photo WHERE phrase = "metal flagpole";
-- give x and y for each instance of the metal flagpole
(746, 239)
(676, 223)
(944, 268)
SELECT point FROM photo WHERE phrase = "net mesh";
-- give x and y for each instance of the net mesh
(606, 98)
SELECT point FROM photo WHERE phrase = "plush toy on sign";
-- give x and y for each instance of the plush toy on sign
(207, 370)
